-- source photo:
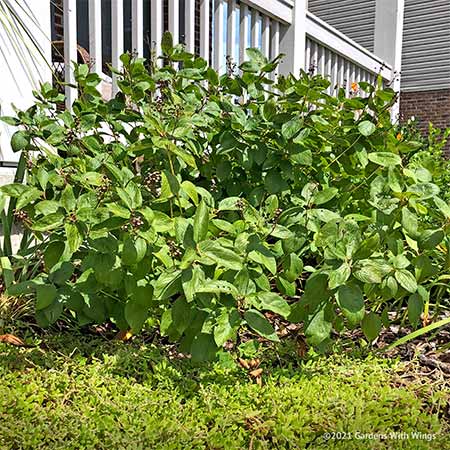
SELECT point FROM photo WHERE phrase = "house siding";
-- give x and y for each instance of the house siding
(426, 45)
(355, 18)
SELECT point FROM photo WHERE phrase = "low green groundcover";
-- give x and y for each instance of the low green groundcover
(73, 394)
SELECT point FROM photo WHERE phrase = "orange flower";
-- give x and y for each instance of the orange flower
(399, 136)
(355, 86)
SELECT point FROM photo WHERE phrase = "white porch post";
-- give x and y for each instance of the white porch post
(389, 41)
(293, 40)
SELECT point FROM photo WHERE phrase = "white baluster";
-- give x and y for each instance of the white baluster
(117, 38)
(204, 29)
(219, 47)
(156, 25)
(95, 35)
(255, 29)
(231, 29)
(137, 28)
(243, 32)
(275, 43)
(70, 49)
(190, 26)
(265, 36)
(174, 20)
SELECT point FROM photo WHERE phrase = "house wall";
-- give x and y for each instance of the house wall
(355, 18)
(23, 67)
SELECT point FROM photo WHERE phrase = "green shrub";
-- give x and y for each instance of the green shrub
(200, 202)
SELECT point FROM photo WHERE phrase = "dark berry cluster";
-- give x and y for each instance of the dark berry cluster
(240, 204)
(21, 215)
(174, 250)
(277, 213)
(104, 187)
(134, 224)
(152, 181)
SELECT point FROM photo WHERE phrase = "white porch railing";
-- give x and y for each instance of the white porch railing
(333, 54)
(215, 29)
(224, 28)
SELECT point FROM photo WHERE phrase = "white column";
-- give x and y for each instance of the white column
(95, 35)
(70, 48)
(190, 26)
(389, 40)
(293, 40)
(117, 38)
(137, 27)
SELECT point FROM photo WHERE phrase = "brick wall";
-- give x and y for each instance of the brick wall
(426, 106)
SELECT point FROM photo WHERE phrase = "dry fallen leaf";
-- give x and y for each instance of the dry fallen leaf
(11, 339)
(254, 363)
(302, 348)
(244, 363)
(256, 373)
(124, 335)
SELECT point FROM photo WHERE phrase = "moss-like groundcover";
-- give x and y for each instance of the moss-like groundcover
(75, 393)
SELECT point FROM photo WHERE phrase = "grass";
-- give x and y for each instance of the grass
(79, 392)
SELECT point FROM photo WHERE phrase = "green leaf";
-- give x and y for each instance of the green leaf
(410, 223)
(20, 140)
(15, 189)
(45, 295)
(273, 302)
(415, 309)
(339, 276)
(226, 326)
(257, 322)
(274, 182)
(325, 196)
(371, 326)
(74, 237)
(201, 222)
(135, 314)
(49, 222)
(366, 128)
(218, 287)
(189, 189)
(430, 239)
(167, 285)
(133, 251)
(351, 301)
(407, 280)
(318, 328)
(293, 267)
(203, 348)
(264, 257)
(291, 128)
(27, 197)
(444, 207)
(220, 255)
(385, 159)
(192, 278)
(68, 201)
(167, 43)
